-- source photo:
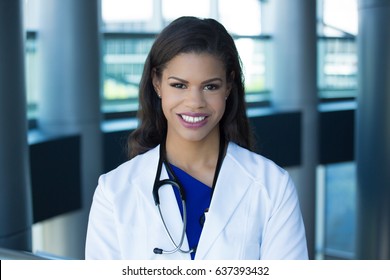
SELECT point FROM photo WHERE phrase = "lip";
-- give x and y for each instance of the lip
(193, 125)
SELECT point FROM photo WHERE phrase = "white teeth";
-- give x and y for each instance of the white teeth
(190, 119)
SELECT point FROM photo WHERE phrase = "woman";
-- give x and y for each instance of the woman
(194, 132)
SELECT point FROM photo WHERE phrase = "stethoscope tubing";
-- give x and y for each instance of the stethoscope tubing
(175, 183)
(178, 247)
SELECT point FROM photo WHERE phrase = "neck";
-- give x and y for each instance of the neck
(194, 157)
(190, 153)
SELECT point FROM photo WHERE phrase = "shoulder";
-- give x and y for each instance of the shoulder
(264, 172)
(137, 162)
(136, 169)
(254, 164)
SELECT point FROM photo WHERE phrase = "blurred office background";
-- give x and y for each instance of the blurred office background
(317, 76)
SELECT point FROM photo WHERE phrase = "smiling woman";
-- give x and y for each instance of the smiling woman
(192, 188)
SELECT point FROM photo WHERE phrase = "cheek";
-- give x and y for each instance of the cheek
(165, 107)
(169, 102)
(219, 105)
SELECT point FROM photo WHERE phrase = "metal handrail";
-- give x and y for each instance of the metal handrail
(9, 254)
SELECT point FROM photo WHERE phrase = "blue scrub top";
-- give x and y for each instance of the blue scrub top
(198, 196)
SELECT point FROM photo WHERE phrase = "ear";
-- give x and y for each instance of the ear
(156, 82)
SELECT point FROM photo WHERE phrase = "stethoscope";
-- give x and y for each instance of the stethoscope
(174, 182)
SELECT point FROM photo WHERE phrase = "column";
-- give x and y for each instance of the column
(295, 88)
(69, 46)
(373, 130)
(15, 193)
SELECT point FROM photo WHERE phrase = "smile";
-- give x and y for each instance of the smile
(191, 119)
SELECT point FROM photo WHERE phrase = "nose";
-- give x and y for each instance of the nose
(195, 99)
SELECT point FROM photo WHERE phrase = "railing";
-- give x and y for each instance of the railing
(8, 254)
(31, 73)
(337, 67)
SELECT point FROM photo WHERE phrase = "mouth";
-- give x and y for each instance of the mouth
(193, 119)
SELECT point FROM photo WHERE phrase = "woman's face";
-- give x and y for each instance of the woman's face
(193, 91)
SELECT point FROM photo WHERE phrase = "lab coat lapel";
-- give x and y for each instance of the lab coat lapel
(232, 184)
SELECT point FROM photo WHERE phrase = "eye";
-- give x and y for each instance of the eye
(178, 85)
(211, 87)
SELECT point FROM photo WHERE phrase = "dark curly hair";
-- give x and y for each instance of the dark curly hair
(187, 35)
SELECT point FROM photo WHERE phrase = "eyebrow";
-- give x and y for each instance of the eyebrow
(204, 82)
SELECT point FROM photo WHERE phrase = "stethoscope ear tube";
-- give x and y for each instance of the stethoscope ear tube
(156, 185)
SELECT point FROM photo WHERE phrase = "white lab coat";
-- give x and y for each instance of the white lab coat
(254, 213)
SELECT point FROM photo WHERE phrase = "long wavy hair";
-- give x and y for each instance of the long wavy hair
(187, 35)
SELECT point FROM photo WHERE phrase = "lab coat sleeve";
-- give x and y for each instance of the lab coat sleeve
(102, 241)
(284, 237)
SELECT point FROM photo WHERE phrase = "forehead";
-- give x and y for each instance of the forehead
(195, 65)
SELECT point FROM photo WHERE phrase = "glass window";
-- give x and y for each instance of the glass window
(124, 57)
(255, 54)
(337, 48)
(126, 11)
(241, 17)
(128, 39)
(125, 15)
(31, 55)
(340, 17)
(172, 9)
(31, 75)
(129, 29)
(336, 206)
(338, 67)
